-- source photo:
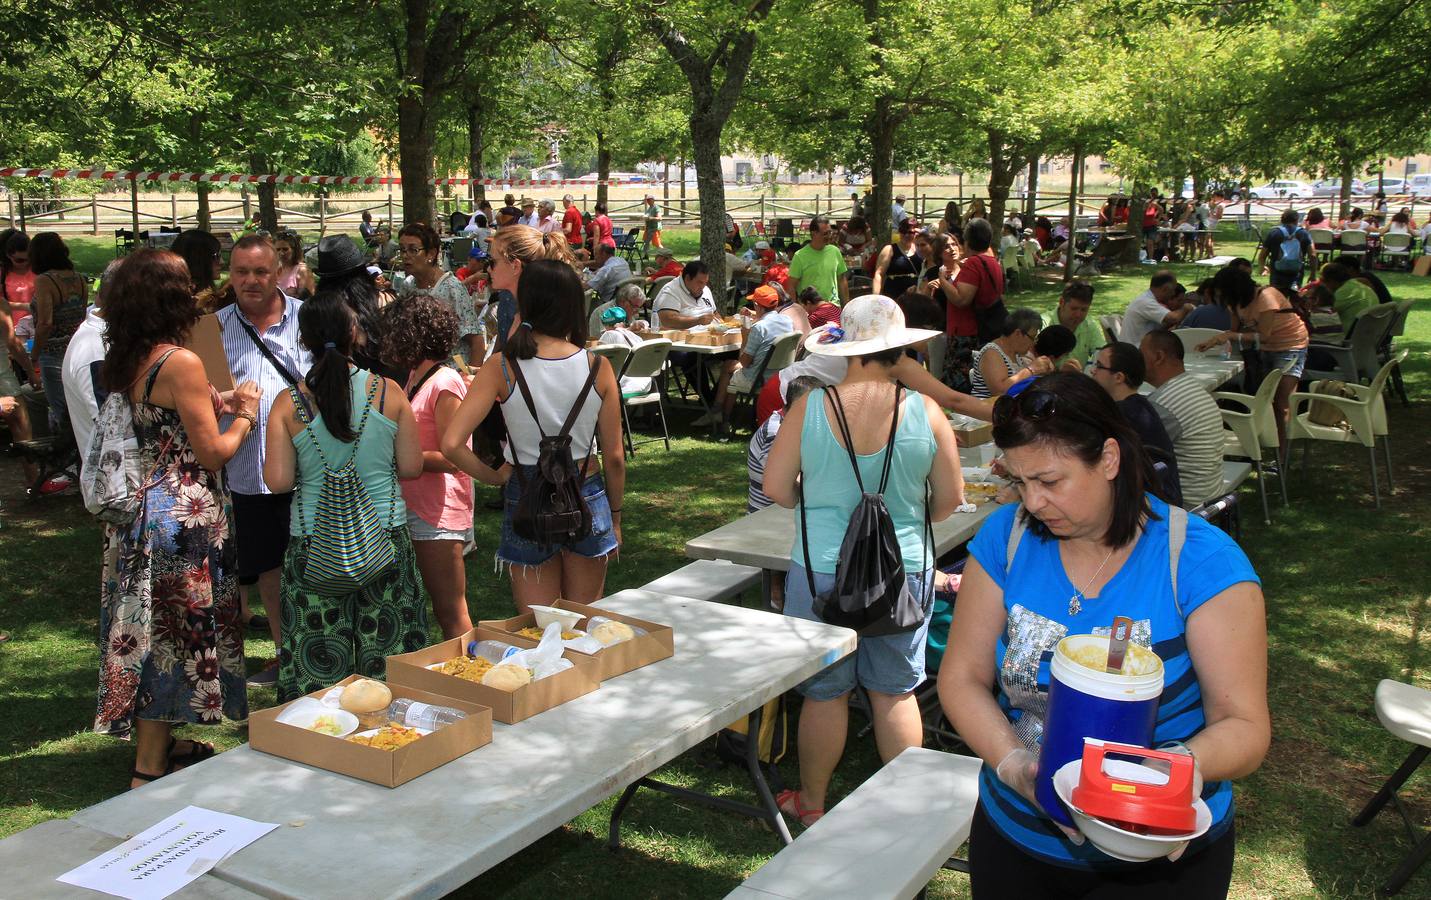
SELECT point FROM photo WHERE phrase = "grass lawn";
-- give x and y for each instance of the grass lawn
(1348, 596)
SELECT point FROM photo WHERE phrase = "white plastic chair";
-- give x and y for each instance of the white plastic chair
(646, 361)
(1191, 337)
(1388, 347)
(1357, 357)
(780, 355)
(1112, 327)
(1354, 242)
(617, 353)
(1253, 431)
(1366, 422)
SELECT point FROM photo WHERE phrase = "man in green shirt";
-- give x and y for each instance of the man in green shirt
(820, 265)
(1349, 296)
(1073, 306)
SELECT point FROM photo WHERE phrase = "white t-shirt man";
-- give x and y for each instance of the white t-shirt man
(80, 373)
(674, 296)
(1143, 315)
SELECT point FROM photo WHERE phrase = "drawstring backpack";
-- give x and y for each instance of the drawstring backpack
(349, 545)
(871, 594)
(113, 481)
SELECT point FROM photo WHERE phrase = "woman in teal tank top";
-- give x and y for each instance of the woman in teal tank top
(923, 461)
(343, 412)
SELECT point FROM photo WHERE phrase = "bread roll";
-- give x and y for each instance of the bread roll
(365, 696)
(507, 677)
(613, 632)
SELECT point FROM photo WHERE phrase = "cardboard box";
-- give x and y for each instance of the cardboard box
(657, 644)
(207, 343)
(509, 707)
(971, 432)
(388, 769)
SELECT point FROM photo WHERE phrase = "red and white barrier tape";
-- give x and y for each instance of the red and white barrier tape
(114, 175)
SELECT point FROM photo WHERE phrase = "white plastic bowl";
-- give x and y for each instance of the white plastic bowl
(1117, 842)
(304, 712)
(549, 614)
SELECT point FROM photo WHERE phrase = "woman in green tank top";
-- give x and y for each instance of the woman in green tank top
(343, 412)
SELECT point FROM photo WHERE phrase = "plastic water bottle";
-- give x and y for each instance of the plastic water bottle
(492, 651)
(416, 714)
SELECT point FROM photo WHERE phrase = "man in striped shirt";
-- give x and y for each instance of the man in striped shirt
(262, 313)
(1194, 421)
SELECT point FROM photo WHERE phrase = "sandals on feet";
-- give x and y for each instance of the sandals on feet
(146, 777)
(789, 804)
(198, 752)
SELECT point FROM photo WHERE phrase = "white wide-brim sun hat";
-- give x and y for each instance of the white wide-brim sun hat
(868, 324)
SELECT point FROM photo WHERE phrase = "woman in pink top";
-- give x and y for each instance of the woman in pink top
(294, 278)
(1281, 335)
(419, 336)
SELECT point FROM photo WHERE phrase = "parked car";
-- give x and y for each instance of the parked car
(1421, 185)
(1230, 189)
(1332, 187)
(1284, 189)
(1391, 186)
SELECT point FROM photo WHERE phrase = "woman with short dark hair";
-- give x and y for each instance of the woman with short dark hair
(1001, 363)
(204, 257)
(547, 348)
(1090, 543)
(419, 246)
(171, 645)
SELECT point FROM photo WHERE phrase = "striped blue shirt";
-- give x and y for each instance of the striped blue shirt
(1036, 592)
(247, 363)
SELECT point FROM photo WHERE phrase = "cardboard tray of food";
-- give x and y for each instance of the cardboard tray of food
(508, 707)
(971, 432)
(657, 644)
(388, 768)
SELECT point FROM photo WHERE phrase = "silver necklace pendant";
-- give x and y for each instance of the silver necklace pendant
(1075, 604)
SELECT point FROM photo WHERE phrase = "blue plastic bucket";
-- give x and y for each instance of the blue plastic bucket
(1085, 702)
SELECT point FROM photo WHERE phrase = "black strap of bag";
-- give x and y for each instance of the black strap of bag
(565, 426)
(412, 391)
(283, 370)
(854, 464)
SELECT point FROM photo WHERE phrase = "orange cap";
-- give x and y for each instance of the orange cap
(765, 296)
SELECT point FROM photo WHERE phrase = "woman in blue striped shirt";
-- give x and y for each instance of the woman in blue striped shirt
(1098, 545)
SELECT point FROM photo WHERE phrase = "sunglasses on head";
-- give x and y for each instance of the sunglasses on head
(1034, 405)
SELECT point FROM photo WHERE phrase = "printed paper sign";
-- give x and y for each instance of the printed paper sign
(162, 859)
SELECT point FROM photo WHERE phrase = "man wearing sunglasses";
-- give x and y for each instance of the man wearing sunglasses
(820, 265)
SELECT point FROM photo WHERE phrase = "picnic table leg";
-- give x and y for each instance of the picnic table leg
(767, 811)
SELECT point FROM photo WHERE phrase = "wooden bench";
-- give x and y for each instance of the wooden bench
(707, 579)
(885, 840)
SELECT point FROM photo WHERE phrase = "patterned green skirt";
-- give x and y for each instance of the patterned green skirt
(325, 639)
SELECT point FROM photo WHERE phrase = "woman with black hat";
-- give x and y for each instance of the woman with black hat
(343, 268)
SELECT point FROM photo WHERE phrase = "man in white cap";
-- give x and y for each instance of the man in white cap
(529, 213)
(666, 265)
(651, 236)
(897, 213)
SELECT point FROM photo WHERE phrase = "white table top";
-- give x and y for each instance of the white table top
(440, 830)
(764, 539)
(1210, 371)
(1215, 261)
(34, 858)
(704, 348)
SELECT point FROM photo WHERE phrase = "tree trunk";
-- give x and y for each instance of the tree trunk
(1346, 185)
(1137, 200)
(203, 219)
(1003, 166)
(880, 207)
(267, 194)
(1071, 245)
(1031, 201)
(476, 147)
(603, 166)
(710, 189)
(415, 138)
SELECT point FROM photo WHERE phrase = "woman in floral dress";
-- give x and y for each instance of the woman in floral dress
(171, 648)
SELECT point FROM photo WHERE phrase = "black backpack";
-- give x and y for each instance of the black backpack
(870, 594)
(552, 510)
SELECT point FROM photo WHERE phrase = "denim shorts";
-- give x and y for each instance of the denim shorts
(890, 664)
(518, 551)
(1290, 362)
(420, 530)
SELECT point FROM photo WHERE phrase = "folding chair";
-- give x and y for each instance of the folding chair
(52, 451)
(616, 353)
(124, 242)
(781, 354)
(1013, 272)
(1323, 239)
(1405, 711)
(646, 361)
(629, 247)
(654, 288)
(1398, 247)
(1354, 243)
